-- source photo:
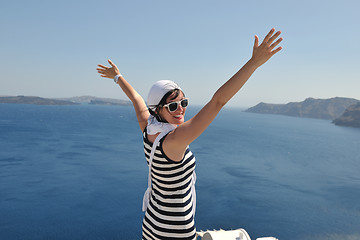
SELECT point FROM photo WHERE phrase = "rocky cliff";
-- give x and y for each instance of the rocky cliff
(350, 118)
(311, 108)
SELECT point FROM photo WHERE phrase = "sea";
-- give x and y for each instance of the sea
(79, 172)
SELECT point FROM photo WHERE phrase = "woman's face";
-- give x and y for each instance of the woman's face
(176, 117)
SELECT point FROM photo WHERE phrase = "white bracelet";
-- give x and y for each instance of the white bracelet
(116, 78)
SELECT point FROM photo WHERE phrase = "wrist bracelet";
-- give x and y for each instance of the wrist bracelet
(116, 78)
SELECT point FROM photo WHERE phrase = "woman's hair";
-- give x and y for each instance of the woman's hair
(163, 102)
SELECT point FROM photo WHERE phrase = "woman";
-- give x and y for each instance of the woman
(170, 198)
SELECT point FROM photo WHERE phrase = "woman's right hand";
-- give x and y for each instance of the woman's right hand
(108, 72)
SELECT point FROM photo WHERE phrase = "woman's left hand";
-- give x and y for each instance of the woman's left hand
(262, 53)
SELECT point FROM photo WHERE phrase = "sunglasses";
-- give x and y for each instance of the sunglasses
(173, 106)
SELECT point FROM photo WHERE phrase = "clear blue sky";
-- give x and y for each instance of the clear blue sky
(51, 48)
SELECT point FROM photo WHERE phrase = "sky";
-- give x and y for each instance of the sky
(52, 48)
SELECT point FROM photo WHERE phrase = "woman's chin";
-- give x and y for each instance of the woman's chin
(177, 120)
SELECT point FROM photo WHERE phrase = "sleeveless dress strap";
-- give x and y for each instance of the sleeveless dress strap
(147, 194)
(193, 192)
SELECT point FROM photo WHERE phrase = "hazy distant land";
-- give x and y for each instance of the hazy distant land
(351, 117)
(34, 100)
(98, 101)
(343, 111)
(63, 101)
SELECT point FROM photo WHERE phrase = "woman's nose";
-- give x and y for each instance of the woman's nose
(180, 107)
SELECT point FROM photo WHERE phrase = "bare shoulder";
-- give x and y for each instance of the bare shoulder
(176, 142)
(172, 149)
(187, 132)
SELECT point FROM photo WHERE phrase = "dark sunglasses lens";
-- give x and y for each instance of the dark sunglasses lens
(184, 103)
(173, 106)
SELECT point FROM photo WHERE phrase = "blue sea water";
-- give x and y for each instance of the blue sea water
(79, 172)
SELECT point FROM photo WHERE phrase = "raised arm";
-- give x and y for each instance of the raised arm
(191, 129)
(141, 110)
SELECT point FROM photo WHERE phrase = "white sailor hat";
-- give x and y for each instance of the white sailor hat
(158, 91)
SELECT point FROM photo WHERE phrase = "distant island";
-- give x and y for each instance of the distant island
(108, 102)
(63, 101)
(34, 100)
(350, 118)
(330, 109)
(98, 101)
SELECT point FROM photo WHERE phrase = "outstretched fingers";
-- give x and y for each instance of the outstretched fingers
(272, 46)
(263, 52)
(268, 36)
(102, 66)
(275, 51)
(102, 70)
(108, 72)
(274, 37)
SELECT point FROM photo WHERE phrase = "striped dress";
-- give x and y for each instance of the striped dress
(170, 212)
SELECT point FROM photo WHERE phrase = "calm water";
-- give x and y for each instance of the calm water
(79, 172)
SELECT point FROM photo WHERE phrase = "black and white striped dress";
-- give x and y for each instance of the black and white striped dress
(170, 211)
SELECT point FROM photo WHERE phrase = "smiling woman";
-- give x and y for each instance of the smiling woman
(170, 199)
